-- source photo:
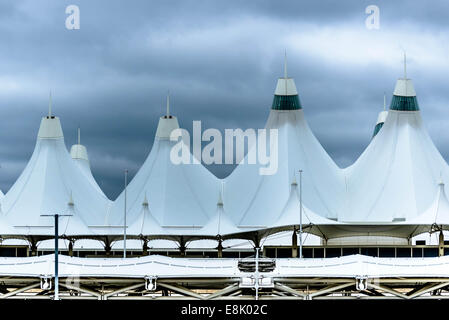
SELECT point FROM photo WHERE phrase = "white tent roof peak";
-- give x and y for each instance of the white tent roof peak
(220, 195)
(50, 128)
(78, 151)
(404, 88)
(167, 123)
(220, 199)
(145, 201)
(79, 154)
(71, 203)
(438, 211)
(294, 183)
(285, 86)
(382, 117)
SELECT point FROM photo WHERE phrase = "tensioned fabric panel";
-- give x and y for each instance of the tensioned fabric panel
(286, 103)
(404, 103)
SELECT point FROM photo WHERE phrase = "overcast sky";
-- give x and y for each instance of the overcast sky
(220, 60)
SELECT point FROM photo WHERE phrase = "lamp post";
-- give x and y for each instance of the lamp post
(124, 224)
(56, 216)
(300, 214)
(256, 275)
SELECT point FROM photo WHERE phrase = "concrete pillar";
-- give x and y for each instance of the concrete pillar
(71, 248)
(220, 249)
(33, 249)
(256, 241)
(294, 244)
(182, 247)
(145, 247)
(107, 247)
(441, 244)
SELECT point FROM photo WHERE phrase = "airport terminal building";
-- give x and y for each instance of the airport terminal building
(366, 220)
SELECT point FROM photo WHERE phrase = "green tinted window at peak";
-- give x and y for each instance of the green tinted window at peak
(286, 103)
(401, 103)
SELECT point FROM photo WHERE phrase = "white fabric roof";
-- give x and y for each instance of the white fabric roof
(435, 217)
(290, 215)
(395, 179)
(396, 176)
(248, 193)
(78, 152)
(52, 183)
(220, 223)
(382, 117)
(180, 196)
(438, 212)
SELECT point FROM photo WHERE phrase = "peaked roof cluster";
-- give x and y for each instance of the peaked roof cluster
(395, 188)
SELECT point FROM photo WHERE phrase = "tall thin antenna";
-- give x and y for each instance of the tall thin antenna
(405, 65)
(285, 72)
(385, 102)
(168, 104)
(49, 106)
(79, 135)
(220, 203)
(285, 64)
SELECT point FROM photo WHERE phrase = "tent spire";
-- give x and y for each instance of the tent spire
(145, 201)
(70, 203)
(79, 135)
(220, 196)
(385, 102)
(294, 183)
(49, 106)
(168, 104)
(405, 65)
(285, 65)
(285, 72)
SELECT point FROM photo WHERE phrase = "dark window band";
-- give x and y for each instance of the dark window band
(286, 103)
(377, 128)
(404, 103)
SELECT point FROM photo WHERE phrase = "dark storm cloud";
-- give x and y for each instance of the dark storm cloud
(220, 61)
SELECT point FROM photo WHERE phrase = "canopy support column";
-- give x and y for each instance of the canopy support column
(220, 248)
(441, 244)
(107, 246)
(33, 247)
(182, 246)
(294, 244)
(256, 241)
(145, 247)
(71, 242)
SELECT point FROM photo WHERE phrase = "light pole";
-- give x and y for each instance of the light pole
(256, 275)
(300, 214)
(124, 224)
(56, 216)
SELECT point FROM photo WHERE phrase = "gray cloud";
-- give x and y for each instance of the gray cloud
(220, 61)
